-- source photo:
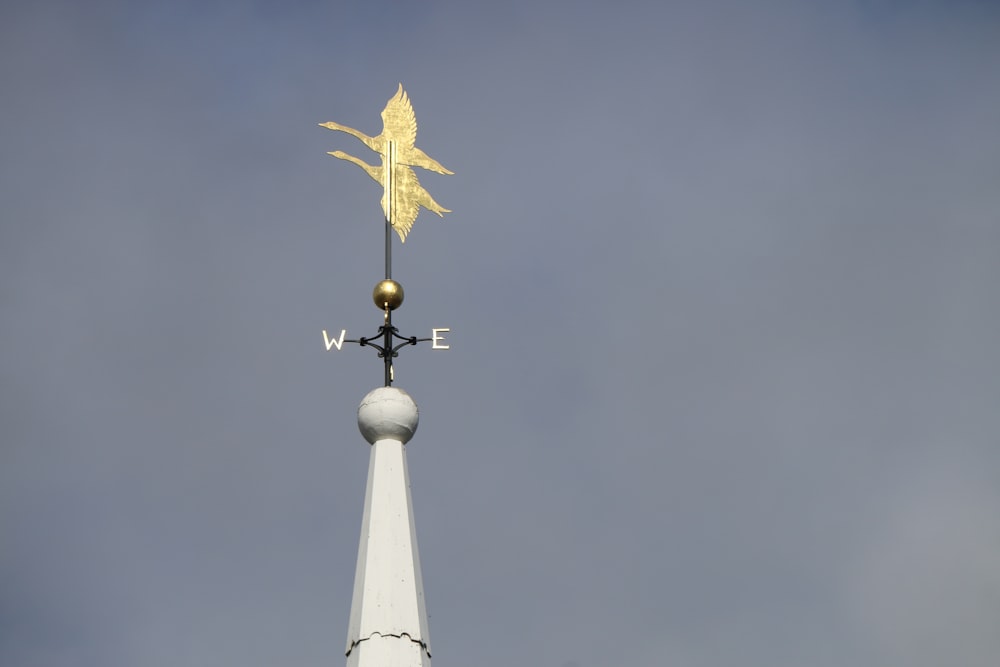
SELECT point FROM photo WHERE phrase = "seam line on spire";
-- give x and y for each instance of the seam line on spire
(422, 644)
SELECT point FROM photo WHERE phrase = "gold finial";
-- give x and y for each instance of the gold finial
(388, 295)
(402, 193)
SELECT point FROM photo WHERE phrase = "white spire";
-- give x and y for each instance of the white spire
(388, 624)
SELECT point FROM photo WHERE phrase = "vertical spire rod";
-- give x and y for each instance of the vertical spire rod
(390, 195)
(387, 330)
(388, 249)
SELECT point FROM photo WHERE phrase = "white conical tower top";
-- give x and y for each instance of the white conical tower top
(388, 626)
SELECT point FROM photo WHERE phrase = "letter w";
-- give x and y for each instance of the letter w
(330, 342)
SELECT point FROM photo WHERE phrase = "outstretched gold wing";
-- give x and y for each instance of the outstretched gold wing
(399, 124)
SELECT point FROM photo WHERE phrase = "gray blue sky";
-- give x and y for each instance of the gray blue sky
(722, 284)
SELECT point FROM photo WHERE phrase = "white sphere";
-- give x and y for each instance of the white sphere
(387, 413)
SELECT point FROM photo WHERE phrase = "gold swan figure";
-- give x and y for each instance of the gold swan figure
(402, 193)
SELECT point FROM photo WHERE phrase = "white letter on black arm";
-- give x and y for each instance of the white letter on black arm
(330, 342)
(435, 338)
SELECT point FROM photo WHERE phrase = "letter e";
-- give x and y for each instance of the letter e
(435, 338)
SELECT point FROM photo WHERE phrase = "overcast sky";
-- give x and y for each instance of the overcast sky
(722, 283)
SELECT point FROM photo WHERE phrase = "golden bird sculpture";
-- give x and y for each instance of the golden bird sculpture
(402, 194)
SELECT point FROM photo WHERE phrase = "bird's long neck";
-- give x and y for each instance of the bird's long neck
(364, 138)
(374, 172)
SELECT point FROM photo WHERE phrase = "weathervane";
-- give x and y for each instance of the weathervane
(402, 198)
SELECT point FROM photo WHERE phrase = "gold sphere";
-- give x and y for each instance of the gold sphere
(388, 293)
